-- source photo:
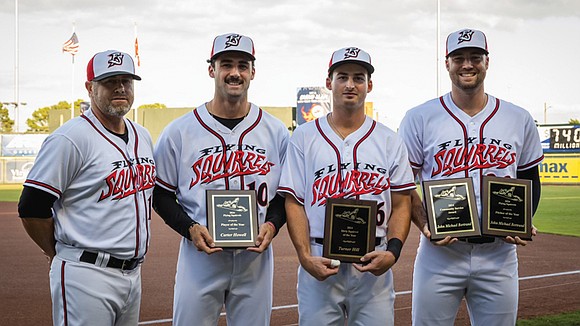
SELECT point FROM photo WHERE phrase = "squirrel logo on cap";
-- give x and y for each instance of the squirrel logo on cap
(465, 36)
(351, 53)
(116, 59)
(233, 40)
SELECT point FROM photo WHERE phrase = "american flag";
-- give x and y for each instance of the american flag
(71, 45)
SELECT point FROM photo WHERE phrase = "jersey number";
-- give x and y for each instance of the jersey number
(381, 214)
(261, 193)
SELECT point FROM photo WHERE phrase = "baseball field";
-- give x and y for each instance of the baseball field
(549, 270)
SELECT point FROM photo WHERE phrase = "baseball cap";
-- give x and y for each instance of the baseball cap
(110, 63)
(232, 42)
(466, 38)
(350, 55)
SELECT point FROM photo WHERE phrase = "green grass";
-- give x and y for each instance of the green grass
(559, 210)
(567, 319)
(10, 193)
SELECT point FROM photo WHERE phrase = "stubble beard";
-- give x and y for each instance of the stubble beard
(118, 111)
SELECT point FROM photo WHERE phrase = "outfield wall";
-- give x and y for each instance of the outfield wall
(560, 169)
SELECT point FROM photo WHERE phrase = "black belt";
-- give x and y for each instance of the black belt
(129, 264)
(478, 240)
(320, 241)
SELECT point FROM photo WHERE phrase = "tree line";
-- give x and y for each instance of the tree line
(38, 122)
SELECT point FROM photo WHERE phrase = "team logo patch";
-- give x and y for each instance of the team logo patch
(216, 163)
(233, 40)
(365, 179)
(115, 59)
(454, 156)
(128, 179)
(465, 36)
(351, 53)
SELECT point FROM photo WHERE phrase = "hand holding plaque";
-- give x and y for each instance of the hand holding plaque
(451, 208)
(232, 218)
(349, 229)
(507, 207)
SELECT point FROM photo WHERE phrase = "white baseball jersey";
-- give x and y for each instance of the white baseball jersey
(196, 152)
(102, 184)
(445, 142)
(368, 164)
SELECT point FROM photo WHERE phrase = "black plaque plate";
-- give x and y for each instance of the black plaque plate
(507, 207)
(232, 218)
(349, 229)
(451, 208)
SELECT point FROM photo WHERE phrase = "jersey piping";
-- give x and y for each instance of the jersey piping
(134, 178)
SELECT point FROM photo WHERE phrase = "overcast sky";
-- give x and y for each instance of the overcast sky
(534, 47)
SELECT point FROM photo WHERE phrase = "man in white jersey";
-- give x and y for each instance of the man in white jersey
(87, 202)
(227, 143)
(346, 154)
(468, 133)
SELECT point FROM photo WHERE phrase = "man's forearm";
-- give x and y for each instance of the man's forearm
(400, 219)
(41, 231)
(297, 223)
(417, 210)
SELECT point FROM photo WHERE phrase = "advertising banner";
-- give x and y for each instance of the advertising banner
(312, 103)
(560, 169)
(22, 145)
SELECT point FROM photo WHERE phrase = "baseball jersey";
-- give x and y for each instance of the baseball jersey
(196, 152)
(445, 142)
(368, 164)
(102, 184)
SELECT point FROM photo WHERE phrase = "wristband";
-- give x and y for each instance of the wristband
(395, 245)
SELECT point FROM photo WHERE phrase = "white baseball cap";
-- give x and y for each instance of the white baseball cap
(350, 55)
(110, 63)
(466, 38)
(232, 42)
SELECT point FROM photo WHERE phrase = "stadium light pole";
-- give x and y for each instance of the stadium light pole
(546, 107)
(16, 69)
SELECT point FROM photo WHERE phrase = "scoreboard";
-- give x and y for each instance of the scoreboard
(560, 138)
(561, 146)
(565, 137)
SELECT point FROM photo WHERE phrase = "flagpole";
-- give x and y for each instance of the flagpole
(72, 93)
(438, 47)
(135, 113)
(16, 68)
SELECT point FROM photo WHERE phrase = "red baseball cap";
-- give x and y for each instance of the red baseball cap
(110, 63)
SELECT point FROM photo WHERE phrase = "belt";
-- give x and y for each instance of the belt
(478, 240)
(129, 264)
(320, 241)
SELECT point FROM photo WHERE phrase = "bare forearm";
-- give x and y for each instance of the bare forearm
(41, 231)
(400, 219)
(417, 210)
(297, 223)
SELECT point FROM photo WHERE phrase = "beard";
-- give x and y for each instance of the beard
(117, 111)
